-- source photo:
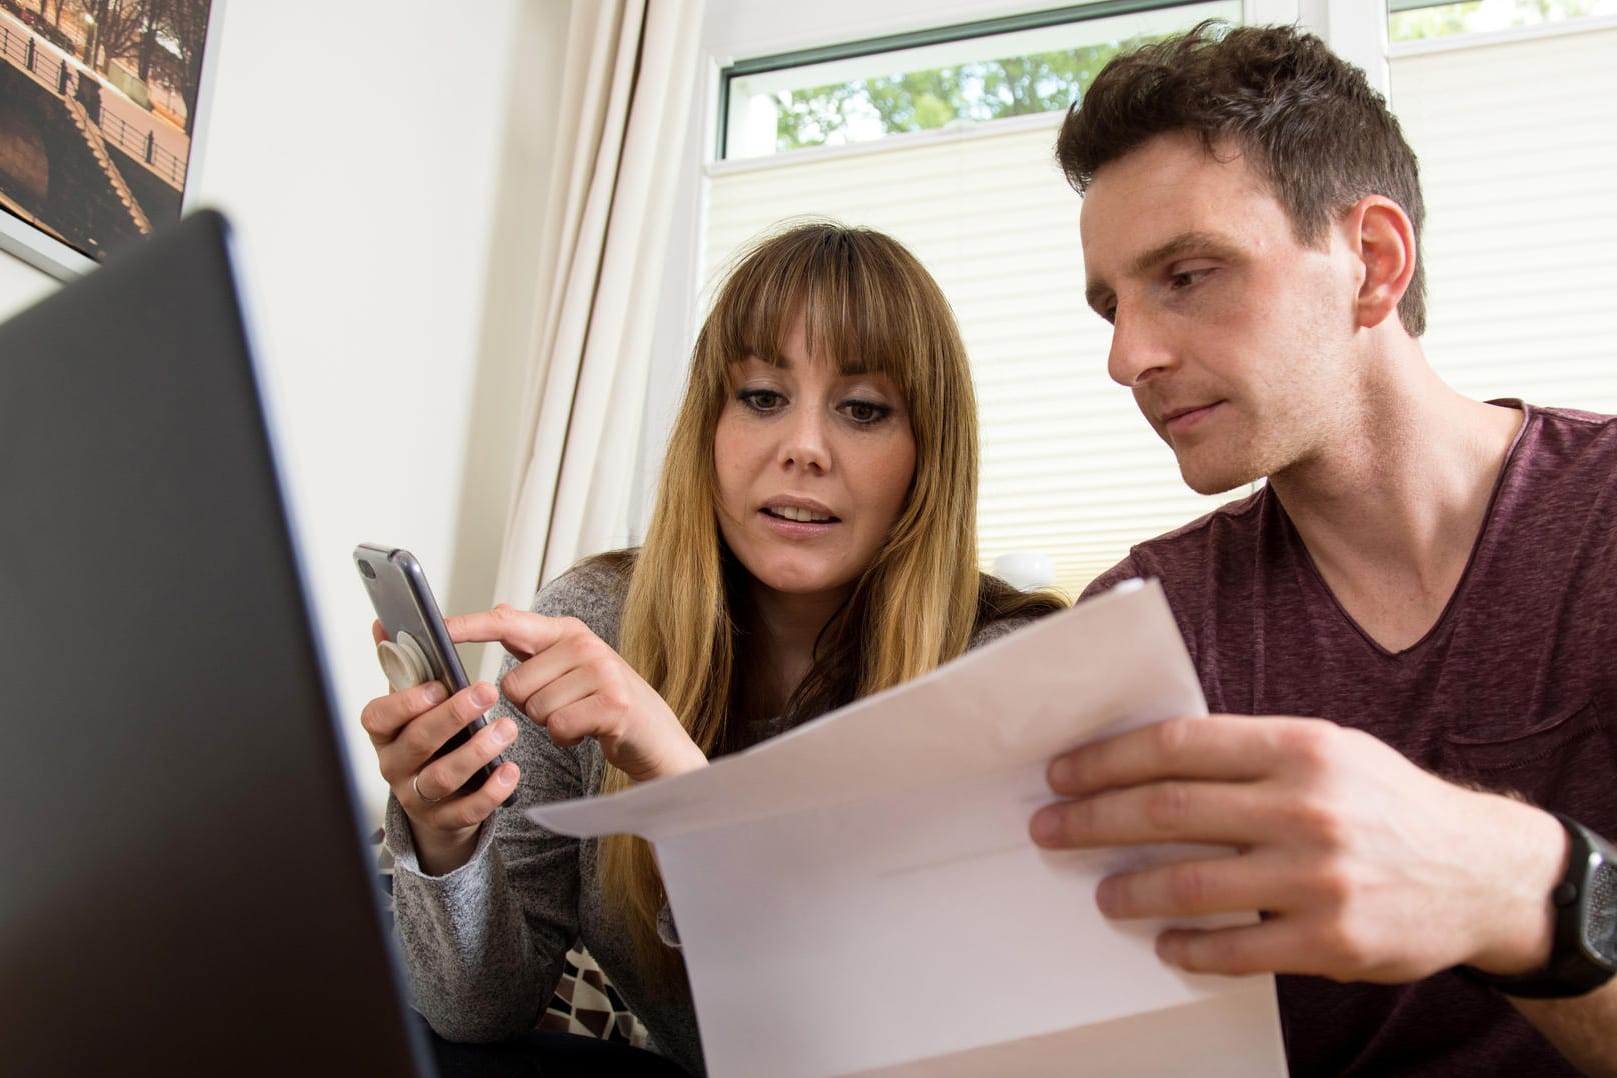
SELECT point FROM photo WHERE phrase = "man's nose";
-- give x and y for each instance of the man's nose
(1139, 349)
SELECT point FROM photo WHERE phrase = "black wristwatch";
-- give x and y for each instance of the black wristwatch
(1584, 955)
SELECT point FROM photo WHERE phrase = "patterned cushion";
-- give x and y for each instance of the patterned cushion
(584, 1001)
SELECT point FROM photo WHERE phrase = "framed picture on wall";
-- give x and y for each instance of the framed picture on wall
(98, 110)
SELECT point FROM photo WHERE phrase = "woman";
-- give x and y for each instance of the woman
(813, 541)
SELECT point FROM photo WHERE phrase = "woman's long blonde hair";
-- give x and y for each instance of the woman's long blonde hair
(870, 306)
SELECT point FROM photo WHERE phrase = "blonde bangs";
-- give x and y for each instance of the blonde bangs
(854, 289)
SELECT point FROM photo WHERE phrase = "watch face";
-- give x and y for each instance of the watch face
(1602, 912)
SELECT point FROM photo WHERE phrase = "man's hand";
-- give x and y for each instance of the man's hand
(1365, 867)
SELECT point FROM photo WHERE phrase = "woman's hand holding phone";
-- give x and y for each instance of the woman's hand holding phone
(574, 684)
(407, 728)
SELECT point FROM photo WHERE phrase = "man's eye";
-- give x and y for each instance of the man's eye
(866, 412)
(1186, 278)
(760, 400)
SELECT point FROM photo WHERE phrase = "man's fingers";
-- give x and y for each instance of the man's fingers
(1275, 945)
(1231, 748)
(1211, 883)
(1296, 943)
(1236, 814)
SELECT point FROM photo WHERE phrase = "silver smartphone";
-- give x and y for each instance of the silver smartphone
(420, 646)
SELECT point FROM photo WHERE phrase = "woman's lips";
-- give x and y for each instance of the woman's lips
(796, 529)
(802, 514)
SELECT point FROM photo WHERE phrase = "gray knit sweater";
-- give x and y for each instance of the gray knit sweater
(484, 944)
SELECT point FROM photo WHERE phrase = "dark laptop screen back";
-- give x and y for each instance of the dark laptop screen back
(184, 882)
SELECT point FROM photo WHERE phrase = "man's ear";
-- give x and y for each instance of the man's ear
(1384, 241)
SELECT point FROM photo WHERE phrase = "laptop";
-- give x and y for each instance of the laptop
(185, 881)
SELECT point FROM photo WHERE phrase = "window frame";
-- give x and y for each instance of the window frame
(734, 29)
(915, 39)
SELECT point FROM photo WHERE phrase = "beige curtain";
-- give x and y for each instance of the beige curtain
(626, 104)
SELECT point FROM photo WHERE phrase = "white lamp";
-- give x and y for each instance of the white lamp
(1026, 569)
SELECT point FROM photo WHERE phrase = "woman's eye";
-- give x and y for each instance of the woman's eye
(866, 412)
(761, 400)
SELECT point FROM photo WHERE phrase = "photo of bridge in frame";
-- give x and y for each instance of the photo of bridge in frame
(98, 103)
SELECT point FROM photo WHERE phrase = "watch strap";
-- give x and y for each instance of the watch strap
(1583, 956)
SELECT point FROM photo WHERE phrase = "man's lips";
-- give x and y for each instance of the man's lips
(1182, 420)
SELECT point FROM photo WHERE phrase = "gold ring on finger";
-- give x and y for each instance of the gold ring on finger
(415, 784)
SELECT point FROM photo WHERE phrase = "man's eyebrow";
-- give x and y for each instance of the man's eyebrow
(1094, 289)
(1184, 243)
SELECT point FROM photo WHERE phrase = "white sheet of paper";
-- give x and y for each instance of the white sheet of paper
(860, 896)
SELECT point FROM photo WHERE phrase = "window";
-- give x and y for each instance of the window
(1414, 20)
(947, 77)
(1516, 131)
(1070, 469)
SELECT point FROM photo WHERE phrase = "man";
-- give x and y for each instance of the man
(1431, 580)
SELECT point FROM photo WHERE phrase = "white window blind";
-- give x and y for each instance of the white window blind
(1517, 141)
(1069, 468)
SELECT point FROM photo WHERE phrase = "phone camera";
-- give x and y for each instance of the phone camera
(365, 570)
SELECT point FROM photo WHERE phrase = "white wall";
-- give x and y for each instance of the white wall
(386, 164)
(20, 285)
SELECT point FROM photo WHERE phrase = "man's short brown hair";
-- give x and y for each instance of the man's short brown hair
(1306, 119)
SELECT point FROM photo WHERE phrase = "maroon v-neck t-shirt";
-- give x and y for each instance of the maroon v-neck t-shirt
(1514, 687)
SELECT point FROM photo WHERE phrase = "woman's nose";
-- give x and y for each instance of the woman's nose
(805, 443)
